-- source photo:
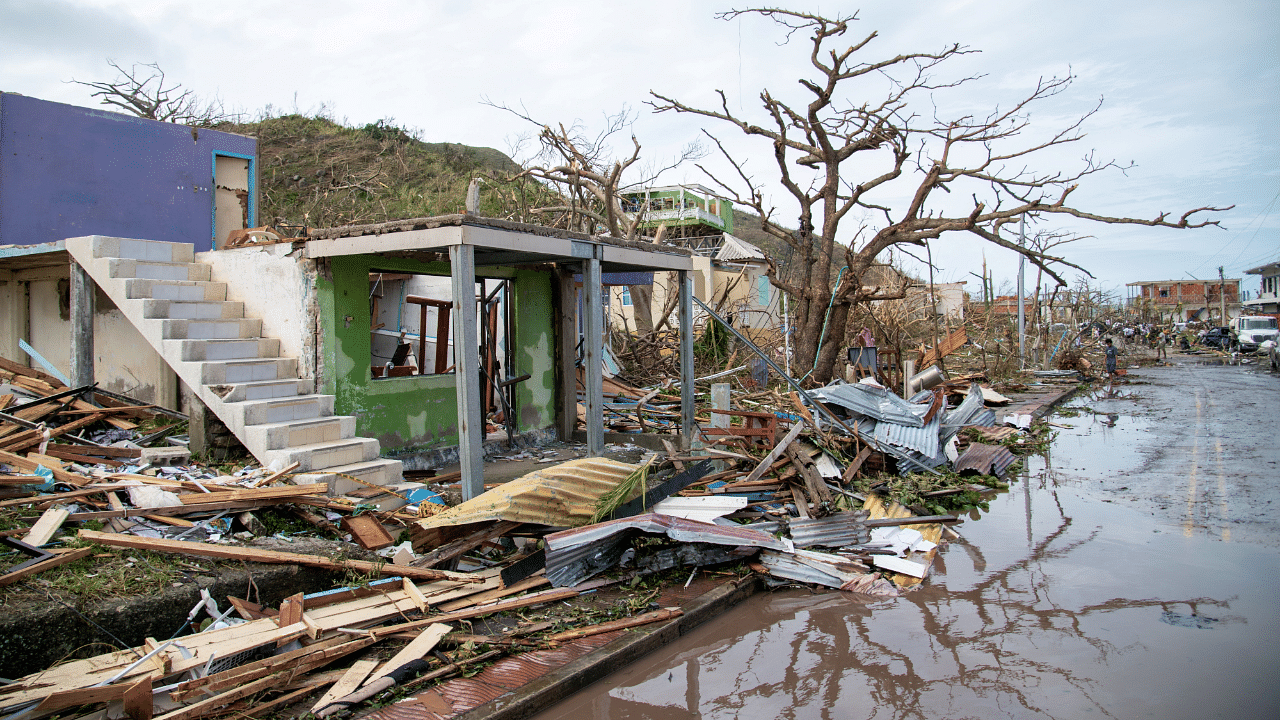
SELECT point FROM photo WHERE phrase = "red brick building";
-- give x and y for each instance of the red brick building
(1183, 300)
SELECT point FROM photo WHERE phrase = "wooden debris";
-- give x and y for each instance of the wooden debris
(269, 556)
(367, 531)
(46, 526)
(624, 623)
(351, 680)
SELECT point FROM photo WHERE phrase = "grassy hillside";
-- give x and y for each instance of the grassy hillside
(319, 173)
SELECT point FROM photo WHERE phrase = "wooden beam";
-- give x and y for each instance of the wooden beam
(46, 526)
(271, 556)
(63, 557)
(624, 623)
(283, 491)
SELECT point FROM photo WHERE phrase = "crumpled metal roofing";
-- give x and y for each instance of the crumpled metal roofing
(922, 440)
(563, 495)
(835, 530)
(985, 459)
(576, 554)
(874, 402)
(964, 413)
(808, 567)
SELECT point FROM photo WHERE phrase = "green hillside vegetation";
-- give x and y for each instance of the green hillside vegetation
(316, 172)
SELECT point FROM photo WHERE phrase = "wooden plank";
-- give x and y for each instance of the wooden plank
(466, 543)
(290, 611)
(367, 531)
(351, 680)
(271, 556)
(498, 594)
(29, 466)
(332, 649)
(46, 526)
(851, 472)
(138, 703)
(70, 427)
(62, 453)
(282, 491)
(173, 509)
(526, 601)
(624, 623)
(63, 557)
(275, 475)
(415, 650)
(819, 495)
(774, 454)
(88, 696)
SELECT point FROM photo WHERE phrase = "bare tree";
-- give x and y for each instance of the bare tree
(148, 93)
(839, 154)
(589, 184)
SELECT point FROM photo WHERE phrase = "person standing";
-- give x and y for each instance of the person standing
(1111, 359)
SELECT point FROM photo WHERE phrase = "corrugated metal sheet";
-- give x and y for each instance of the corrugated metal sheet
(805, 566)
(922, 440)
(564, 495)
(703, 508)
(963, 414)
(874, 402)
(837, 530)
(738, 249)
(575, 555)
(985, 459)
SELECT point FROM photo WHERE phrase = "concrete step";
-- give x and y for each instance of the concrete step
(263, 390)
(318, 456)
(148, 250)
(183, 290)
(212, 329)
(275, 436)
(130, 268)
(375, 472)
(233, 349)
(229, 372)
(277, 410)
(175, 310)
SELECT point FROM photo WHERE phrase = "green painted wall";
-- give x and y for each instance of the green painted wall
(420, 413)
(683, 198)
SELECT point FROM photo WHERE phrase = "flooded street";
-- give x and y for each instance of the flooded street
(1129, 574)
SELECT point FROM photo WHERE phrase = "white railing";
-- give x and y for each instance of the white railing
(683, 214)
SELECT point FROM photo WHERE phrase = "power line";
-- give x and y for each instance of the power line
(1260, 217)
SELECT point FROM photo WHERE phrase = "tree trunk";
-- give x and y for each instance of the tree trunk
(642, 308)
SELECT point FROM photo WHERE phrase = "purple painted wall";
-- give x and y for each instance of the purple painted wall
(68, 171)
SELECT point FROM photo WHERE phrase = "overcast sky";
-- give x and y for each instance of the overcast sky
(1190, 91)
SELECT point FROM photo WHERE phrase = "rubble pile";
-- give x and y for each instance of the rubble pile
(798, 488)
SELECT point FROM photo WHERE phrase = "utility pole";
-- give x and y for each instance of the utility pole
(1222, 295)
(1022, 300)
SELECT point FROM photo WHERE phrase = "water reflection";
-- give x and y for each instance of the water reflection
(1068, 622)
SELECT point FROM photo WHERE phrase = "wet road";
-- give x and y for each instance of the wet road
(1130, 574)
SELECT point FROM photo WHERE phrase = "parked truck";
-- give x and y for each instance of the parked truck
(1250, 332)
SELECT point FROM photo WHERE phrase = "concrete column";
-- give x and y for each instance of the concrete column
(566, 308)
(687, 423)
(466, 366)
(82, 292)
(593, 357)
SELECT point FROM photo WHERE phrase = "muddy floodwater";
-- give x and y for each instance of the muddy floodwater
(1132, 573)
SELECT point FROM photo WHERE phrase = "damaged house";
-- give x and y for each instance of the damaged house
(353, 352)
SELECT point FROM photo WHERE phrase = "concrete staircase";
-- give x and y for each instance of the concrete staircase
(222, 356)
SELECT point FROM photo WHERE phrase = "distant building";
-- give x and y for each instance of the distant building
(1185, 300)
(1268, 299)
(686, 210)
